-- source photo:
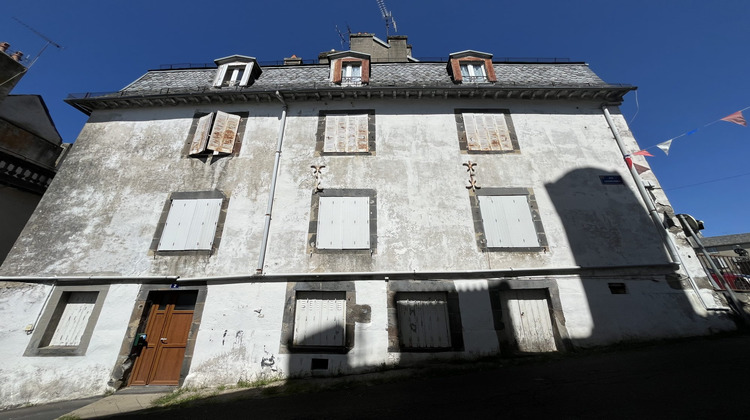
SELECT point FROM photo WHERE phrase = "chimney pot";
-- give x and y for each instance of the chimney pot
(292, 61)
(17, 56)
(4, 46)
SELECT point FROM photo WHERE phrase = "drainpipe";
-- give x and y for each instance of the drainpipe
(274, 176)
(675, 256)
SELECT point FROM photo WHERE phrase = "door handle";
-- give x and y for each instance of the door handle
(163, 340)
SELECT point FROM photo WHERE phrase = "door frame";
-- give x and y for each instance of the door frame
(138, 319)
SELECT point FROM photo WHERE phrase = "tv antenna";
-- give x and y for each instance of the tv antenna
(49, 41)
(344, 40)
(387, 17)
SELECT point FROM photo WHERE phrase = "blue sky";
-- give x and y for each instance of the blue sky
(689, 60)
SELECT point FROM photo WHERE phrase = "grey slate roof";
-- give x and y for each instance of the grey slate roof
(382, 74)
(726, 240)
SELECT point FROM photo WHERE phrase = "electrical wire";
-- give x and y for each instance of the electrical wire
(706, 182)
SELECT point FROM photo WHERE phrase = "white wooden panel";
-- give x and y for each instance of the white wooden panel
(200, 138)
(246, 75)
(487, 132)
(423, 320)
(320, 319)
(346, 133)
(220, 72)
(224, 132)
(343, 223)
(507, 221)
(191, 224)
(529, 316)
(74, 319)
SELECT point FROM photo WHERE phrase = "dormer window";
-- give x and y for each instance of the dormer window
(350, 68)
(237, 70)
(473, 71)
(471, 67)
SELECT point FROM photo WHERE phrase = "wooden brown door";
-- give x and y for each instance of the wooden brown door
(167, 330)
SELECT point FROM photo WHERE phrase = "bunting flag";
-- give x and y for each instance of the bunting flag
(641, 169)
(736, 118)
(643, 153)
(629, 161)
(691, 132)
(665, 146)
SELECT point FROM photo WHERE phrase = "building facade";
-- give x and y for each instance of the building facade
(240, 221)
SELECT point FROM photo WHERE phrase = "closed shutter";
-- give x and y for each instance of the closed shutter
(191, 225)
(320, 319)
(343, 223)
(423, 320)
(200, 138)
(74, 319)
(224, 132)
(528, 314)
(507, 221)
(487, 132)
(346, 134)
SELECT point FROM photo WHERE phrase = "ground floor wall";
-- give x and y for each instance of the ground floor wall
(248, 331)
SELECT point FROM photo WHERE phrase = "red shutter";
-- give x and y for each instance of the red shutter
(490, 70)
(365, 71)
(337, 71)
(456, 69)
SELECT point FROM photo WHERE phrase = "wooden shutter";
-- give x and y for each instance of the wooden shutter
(365, 71)
(246, 75)
(200, 138)
(320, 319)
(223, 133)
(456, 70)
(423, 320)
(529, 317)
(336, 76)
(507, 221)
(74, 319)
(343, 223)
(490, 70)
(191, 225)
(346, 133)
(220, 72)
(487, 132)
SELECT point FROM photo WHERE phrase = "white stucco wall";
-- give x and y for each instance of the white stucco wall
(33, 380)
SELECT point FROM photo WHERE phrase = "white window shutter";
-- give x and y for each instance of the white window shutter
(224, 132)
(507, 221)
(191, 225)
(200, 138)
(220, 72)
(343, 223)
(74, 319)
(346, 133)
(423, 320)
(320, 319)
(246, 75)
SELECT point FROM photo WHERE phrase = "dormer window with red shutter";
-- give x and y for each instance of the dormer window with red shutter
(350, 68)
(236, 71)
(471, 67)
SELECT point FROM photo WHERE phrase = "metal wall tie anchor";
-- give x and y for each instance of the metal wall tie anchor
(318, 174)
(471, 169)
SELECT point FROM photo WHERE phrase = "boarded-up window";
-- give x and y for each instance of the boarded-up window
(423, 320)
(73, 320)
(215, 133)
(191, 224)
(507, 221)
(320, 319)
(487, 132)
(343, 223)
(346, 133)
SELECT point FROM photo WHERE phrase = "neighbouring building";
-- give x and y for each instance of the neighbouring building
(246, 220)
(30, 151)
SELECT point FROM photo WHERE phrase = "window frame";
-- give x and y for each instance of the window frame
(49, 321)
(339, 60)
(471, 67)
(206, 152)
(481, 237)
(312, 237)
(470, 56)
(229, 68)
(320, 135)
(463, 140)
(193, 195)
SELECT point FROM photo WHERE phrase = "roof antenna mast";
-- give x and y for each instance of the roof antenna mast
(49, 41)
(388, 18)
